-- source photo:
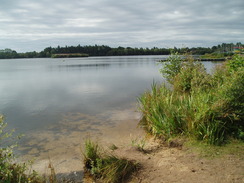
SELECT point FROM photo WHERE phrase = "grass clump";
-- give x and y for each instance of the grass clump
(113, 147)
(139, 144)
(109, 168)
(205, 107)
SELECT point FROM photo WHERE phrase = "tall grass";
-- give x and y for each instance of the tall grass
(199, 105)
(104, 166)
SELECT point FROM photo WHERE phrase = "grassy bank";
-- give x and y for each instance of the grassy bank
(198, 105)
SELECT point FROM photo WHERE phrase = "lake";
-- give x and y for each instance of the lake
(36, 93)
(57, 102)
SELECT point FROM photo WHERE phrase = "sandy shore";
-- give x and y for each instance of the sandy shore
(62, 146)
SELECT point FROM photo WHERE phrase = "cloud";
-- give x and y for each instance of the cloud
(33, 25)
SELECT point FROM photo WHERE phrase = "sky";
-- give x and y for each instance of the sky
(32, 25)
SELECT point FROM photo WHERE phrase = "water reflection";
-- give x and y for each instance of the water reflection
(84, 65)
(35, 92)
(58, 102)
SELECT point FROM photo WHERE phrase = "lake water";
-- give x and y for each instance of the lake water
(36, 93)
(54, 101)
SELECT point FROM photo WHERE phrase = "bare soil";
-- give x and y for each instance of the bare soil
(164, 164)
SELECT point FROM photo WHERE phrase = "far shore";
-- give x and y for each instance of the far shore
(69, 55)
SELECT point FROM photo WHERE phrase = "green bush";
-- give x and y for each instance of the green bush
(171, 67)
(236, 63)
(192, 76)
(205, 107)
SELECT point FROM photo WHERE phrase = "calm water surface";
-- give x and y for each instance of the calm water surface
(61, 95)
(36, 93)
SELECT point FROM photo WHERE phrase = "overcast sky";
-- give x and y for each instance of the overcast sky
(32, 25)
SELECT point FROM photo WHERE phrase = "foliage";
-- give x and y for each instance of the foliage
(109, 168)
(10, 171)
(70, 55)
(103, 50)
(202, 106)
(237, 62)
(215, 55)
(184, 74)
(172, 67)
(192, 76)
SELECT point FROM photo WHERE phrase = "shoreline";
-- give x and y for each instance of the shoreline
(64, 149)
(175, 163)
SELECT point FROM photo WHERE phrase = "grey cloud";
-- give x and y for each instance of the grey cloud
(33, 25)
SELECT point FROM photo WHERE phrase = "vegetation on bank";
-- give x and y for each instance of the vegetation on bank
(103, 50)
(107, 167)
(202, 106)
(10, 170)
(216, 55)
(70, 55)
(199, 105)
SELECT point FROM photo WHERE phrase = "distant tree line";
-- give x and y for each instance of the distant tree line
(103, 50)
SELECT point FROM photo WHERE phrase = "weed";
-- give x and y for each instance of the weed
(139, 144)
(107, 167)
(117, 169)
(52, 176)
(113, 147)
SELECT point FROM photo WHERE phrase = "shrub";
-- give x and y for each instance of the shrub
(192, 76)
(171, 67)
(236, 63)
(109, 168)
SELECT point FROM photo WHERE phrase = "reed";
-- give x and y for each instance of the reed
(199, 105)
